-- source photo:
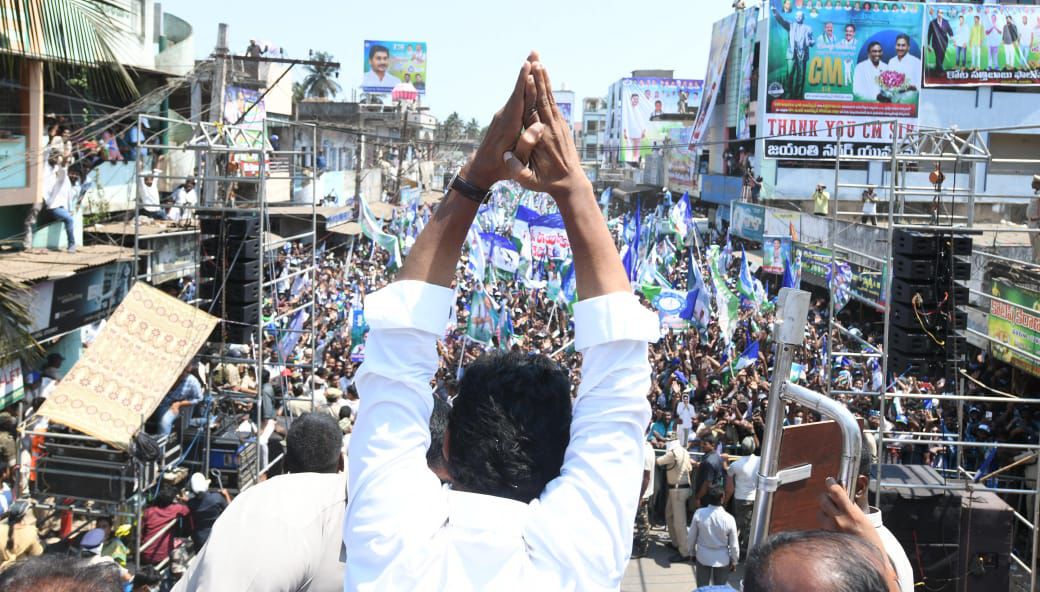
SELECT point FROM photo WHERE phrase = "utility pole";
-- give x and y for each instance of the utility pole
(359, 155)
(218, 88)
(401, 147)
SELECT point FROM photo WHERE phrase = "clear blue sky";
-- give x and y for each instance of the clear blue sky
(475, 48)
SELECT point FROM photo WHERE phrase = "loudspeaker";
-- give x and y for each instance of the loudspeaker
(960, 540)
(237, 292)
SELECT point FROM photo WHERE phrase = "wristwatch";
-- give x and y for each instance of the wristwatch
(467, 189)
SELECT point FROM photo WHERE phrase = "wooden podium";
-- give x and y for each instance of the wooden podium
(796, 505)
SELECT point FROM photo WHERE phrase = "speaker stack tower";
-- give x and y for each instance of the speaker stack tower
(230, 274)
(930, 268)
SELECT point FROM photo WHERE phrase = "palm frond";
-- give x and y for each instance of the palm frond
(78, 32)
(16, 341)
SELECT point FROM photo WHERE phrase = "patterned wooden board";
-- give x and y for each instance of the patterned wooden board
(133, 362)
(795, 505)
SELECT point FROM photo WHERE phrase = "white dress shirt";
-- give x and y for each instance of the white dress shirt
(282, 535)
(182, 197)
(865, 86)
(895, 552)
(57, 189)
(148, 196)
(909, 66)
(713, 535)
(404, 531)
(649, 460)
(743, 472)
(374, 81)
(686, 412)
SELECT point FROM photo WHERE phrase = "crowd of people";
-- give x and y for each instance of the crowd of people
(709, 378)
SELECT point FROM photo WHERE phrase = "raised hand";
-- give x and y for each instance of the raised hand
(487, 167)
(553, 164)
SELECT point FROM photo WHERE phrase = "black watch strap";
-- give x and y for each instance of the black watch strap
(469, 190)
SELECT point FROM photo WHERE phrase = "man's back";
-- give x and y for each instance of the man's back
(282, 535)
(405, 531)
(743, 472)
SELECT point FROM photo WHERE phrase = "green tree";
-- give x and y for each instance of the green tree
(15, 320)
(451, 128)
(319, 80)
(298, 92)
(472, 129)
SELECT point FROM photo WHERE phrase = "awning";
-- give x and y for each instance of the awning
(332, 216)
(348, 229)
(25, 266)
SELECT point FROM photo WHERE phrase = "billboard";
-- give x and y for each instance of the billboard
(681, 165)
(244, 109)
(721, 38)
(747, 221)
(565, 103)
(981, 45)
(775, 250)
(848, 72)
(747, 52)
(61, 305)
(866, 282)
(389, 63)
(644, 98)
(1017, 326)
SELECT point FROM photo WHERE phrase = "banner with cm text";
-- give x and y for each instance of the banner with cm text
(836, 71)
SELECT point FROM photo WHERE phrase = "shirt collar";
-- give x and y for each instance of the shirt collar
(476, 511)
(874, 515)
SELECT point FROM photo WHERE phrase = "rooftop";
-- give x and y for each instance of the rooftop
(27, 266)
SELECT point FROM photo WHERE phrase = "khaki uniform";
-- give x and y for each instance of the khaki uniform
(677, 464)
(26, 541)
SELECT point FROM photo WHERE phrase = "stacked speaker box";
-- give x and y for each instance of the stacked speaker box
(230, 274)
(930, 267)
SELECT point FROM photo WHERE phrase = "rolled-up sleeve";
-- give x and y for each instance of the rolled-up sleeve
(392, 496)
(597, 493)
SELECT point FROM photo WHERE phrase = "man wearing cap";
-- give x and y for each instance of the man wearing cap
(90, 549)
(148, 197)
(206, 506)
(677, 464)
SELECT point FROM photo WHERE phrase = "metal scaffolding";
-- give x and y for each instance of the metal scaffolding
(234, 166)
(953, 211)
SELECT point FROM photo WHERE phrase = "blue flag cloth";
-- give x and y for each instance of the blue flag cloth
(749, 357)
(987, 464)
(789, 279)
(631, 261)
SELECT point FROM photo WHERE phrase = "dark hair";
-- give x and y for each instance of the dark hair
(847, 25)
(53, 573)
(903, 36)
(166, 496)
(865, 458)
(510, 425)
(345, 412)
(872, 44)
(313, 444)
(372, 51)
(147, 575)
(438, 424)
(849, 563)
(710, 438)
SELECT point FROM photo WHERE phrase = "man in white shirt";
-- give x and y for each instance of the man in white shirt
(184, 201)
(148, 197)
(542, 498)
(744, 472)
(905, 63)
(377, 76)
(892, 548)
(56, 198)
(282, 535)
(685, 413)
(641, 543)
(712, 540)
(865, 85)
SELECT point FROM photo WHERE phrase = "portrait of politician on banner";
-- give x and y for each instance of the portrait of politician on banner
(987, 45)
(643, 99)
(389, 63)
(834, 64)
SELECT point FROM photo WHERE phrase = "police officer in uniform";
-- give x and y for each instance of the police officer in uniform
(677, 464)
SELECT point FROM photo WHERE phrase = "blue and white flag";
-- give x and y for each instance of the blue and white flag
(549, 238)
(680, 217)
(749, 357)
(477, 256)
(839, 278)
(502, 252)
